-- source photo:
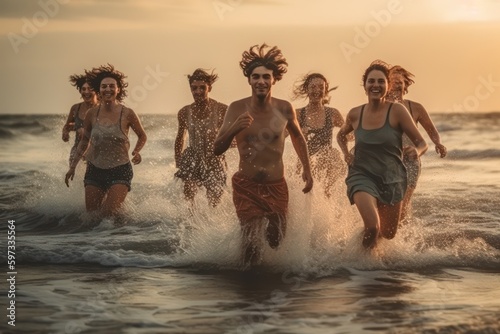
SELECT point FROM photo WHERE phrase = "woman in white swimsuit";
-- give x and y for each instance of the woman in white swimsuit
(105, 141)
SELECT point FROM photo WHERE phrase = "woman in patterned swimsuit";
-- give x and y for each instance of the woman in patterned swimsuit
(376, 181)
(77, 113)
(317, 121)
(401, 79)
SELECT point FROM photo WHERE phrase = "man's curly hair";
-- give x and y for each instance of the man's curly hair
(202, 75)
(97, 74)
(272, 59)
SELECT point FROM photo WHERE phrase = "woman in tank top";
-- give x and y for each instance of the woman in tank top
(376, 181)
(317, 121)
(77, 113)
(401, 79)
(105, 141)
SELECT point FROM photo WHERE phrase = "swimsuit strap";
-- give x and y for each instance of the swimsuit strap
(409, 106)
(360, 125)
(120, 121)
(388, 112)
(97, 113)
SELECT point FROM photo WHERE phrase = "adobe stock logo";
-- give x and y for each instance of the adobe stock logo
(30, 28)
(484, 89)
(221, 7)
(363, 36)
(151, 80)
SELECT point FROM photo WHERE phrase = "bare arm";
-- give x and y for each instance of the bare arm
(136, 125)
(234, 122)
(70, 124)
(408, 126)
(82, 146)
(343, 136)
(300, 146)
(337, 118)
(181, 135)
(430, 128)
(222, 115)
(338, 121)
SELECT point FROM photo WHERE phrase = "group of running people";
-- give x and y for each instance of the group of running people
(381, 169)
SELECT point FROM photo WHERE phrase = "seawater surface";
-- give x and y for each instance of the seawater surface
(173, 268)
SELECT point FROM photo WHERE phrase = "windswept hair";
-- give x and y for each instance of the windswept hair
(97, 74)
(407, 76)
(301, 87)
(78, 80)
(202, 75)
(377, 65)
(272, 59)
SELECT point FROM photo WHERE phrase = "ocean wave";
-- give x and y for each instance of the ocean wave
(200, 243)
(474, 154)
(6, 133)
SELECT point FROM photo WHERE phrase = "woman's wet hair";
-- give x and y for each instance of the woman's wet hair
(407, 76)
(78, 80)
(301, 87)
(97, 74)
(377, 65)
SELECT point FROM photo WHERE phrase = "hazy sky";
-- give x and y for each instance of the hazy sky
(452, 47)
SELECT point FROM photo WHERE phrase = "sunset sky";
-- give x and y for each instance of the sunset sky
(452, 47)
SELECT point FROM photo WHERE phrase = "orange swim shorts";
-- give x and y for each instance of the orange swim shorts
(259, 200)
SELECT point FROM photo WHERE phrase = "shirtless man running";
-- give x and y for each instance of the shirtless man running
(259, 123)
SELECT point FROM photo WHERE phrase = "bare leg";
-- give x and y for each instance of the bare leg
(406, 207)
(389, 219)
(93, 198)
(276, 230)
(251, 243)
(367, 207)
(115, 196)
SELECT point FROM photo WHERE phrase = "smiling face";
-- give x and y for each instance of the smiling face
(261, 80)
(316, 89)
(108, 90)
(200, 90)
(376, 84)
(88, 95)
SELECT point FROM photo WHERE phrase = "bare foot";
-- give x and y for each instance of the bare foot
(370, 237)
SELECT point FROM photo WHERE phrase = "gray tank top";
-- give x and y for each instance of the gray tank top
(109, 145)
(379, 152)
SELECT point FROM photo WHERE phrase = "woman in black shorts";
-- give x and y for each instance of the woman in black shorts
(106, 145)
